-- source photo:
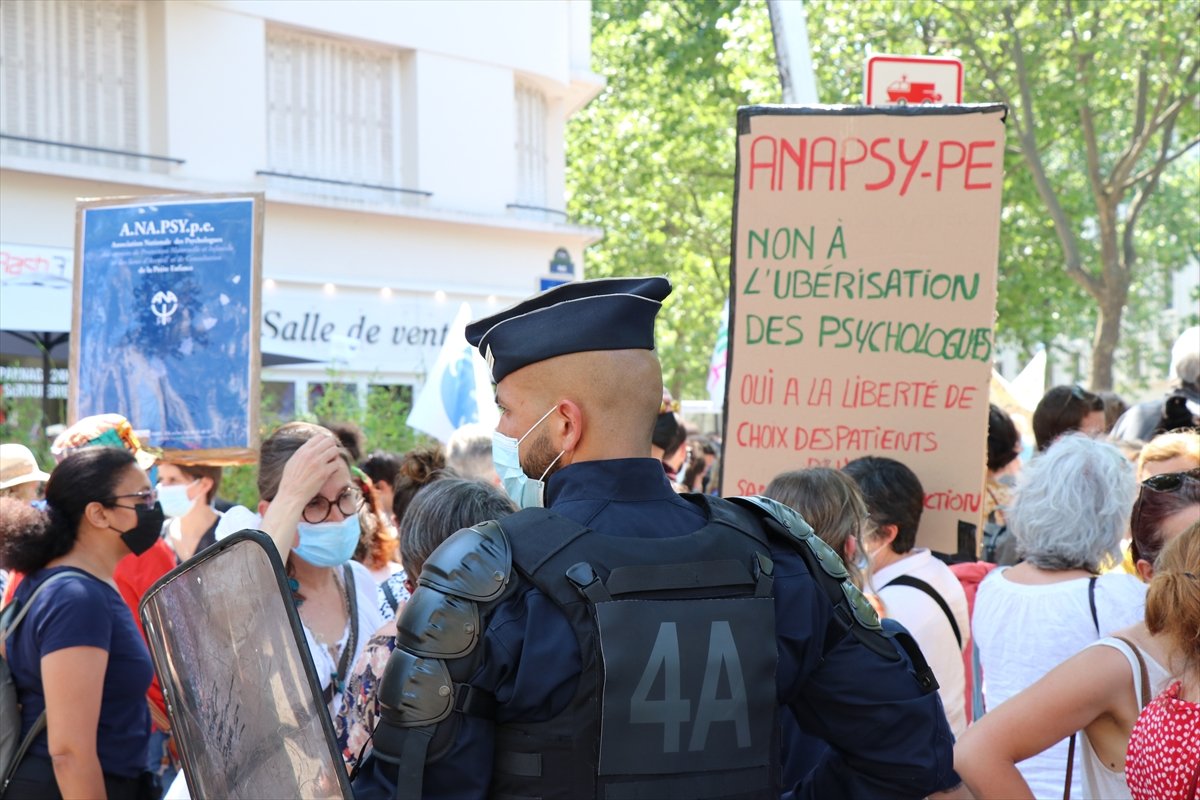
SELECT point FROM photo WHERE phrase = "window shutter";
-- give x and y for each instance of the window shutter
(531, 145)
(72, 72)
(332, 110)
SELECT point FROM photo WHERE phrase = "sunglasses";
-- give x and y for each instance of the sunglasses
(1167, 482)
(1077, 393)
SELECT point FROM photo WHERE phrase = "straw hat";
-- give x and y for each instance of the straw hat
(17, 466)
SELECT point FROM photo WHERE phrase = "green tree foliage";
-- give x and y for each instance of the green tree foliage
(651, 159)
(382, 420)
(1098, 203)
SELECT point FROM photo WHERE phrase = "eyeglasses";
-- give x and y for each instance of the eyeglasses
(146, 497)
(1167, 482)
(319, 508)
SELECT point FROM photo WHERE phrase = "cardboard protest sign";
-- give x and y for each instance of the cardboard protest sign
(166, 321)
(865, 243)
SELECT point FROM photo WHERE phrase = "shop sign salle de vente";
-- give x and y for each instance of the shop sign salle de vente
(364, 330)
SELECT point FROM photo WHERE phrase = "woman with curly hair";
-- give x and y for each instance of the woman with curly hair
(420, 467)
(378, 542)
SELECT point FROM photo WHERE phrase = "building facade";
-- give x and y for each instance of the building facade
(410, 153)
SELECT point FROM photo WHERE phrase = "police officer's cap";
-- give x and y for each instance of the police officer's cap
(604, 314)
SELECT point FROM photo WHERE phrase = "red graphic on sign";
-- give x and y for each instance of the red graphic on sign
(904, 92)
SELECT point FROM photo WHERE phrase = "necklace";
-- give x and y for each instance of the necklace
(330, 646)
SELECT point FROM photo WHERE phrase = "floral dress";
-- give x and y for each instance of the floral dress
(355, 720)
(1163, 761)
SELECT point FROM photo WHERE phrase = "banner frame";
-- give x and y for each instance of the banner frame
(228, 456)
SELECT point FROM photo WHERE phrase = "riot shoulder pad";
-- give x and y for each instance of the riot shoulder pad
(436, 636)
(474, 564)
(415, 691)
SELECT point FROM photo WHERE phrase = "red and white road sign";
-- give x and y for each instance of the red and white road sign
(913, 80)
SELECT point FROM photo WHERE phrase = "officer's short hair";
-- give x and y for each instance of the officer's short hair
(894, 496)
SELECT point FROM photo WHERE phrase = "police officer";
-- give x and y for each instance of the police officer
(616, 639)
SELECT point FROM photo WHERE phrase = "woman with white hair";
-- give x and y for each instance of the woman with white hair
(1070, 510)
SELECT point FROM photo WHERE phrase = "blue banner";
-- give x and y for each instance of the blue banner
(166, 309)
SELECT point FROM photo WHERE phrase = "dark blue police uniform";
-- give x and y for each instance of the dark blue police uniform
(887, 738)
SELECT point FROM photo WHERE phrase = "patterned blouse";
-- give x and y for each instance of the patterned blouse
(356, 719)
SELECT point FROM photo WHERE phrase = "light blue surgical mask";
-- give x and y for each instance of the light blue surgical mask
(328, 544)
(174, 499)
(506, 456)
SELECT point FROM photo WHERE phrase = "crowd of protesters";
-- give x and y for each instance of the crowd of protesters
(1068, 655)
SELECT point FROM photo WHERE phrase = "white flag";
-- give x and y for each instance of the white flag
(716, 368)
(457, 390)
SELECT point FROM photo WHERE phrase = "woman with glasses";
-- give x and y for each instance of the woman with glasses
(1099, 691)
(79, 664)
(309, 505)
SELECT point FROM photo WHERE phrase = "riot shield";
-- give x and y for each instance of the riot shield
(241, 691)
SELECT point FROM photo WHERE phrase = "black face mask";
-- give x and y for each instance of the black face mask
(141, 537)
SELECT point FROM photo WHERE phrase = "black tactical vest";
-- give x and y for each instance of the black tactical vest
(677, 694)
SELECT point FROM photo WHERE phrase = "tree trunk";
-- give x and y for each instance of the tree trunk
(1108, 334)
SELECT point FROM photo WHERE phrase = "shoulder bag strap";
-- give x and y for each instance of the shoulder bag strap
(390, 596)
(352, 641)
(337, 682)
(1070, 768)
(1143, 672)
(1092, 603)
(917, 583)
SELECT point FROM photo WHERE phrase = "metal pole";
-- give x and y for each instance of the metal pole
(793, 57)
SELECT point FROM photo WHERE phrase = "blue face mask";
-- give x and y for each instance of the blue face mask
(328, 544)
(524, 491)
(174, 499)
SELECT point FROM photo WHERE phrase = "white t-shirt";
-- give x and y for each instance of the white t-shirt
(1023, 631)
(929, 625)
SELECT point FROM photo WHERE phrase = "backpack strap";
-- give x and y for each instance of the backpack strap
(1143, 673)
(39, 725)
(27, 605)
(920, 585)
